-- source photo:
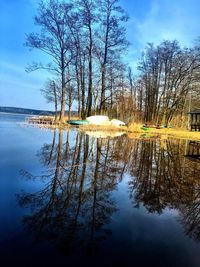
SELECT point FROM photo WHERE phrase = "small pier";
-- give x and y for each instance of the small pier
(42, 120)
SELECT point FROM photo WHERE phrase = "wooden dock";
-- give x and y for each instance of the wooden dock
(42, 120)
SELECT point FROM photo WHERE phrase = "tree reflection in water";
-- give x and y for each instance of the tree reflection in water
(164, 177)
(76, 204)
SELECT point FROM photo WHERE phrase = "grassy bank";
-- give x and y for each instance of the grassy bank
(170, 132)
(137, 129)
(177, 133)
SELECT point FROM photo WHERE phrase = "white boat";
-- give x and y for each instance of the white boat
(104, 121)
(97, 119)
(117, 123)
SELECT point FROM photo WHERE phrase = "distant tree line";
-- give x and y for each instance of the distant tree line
(25, 111)
(86, 42)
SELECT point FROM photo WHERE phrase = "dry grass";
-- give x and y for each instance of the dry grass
(165, 132)
(135, 127)
(178, 133)
(110, 128)
(72, 118)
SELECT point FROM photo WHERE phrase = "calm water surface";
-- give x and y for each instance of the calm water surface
(72, 198)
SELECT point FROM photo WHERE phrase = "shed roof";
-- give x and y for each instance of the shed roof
(196, 111)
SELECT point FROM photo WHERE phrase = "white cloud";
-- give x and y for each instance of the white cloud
(14, 70)
(163, 20)
(168, 20)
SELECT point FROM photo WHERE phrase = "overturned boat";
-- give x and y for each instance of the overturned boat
(100, 120)
(97, 119)
(77, 122)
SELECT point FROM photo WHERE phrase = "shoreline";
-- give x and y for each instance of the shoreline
(151, 133)
(176, 133)
(131, 130)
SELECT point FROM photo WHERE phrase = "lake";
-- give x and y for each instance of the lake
(74, 198)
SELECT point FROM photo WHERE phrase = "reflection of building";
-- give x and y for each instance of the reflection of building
(193, 152)
(195, 120)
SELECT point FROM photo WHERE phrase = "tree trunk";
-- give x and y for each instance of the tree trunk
(89, 99)
(103, 90)
(63, 97)
(69, 93)
(78, 89)
(82, 74)
(55, 100)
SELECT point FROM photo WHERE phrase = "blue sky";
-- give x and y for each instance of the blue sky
(150, 21)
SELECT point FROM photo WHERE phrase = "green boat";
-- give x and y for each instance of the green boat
(144, 128)
(78, 122)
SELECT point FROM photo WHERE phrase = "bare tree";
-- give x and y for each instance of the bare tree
(52, 94)
(89, 18)
(111, 39)
(54, 40)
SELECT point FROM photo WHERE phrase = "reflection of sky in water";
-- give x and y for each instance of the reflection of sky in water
(128, 232)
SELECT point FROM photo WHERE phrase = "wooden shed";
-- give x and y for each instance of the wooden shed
(195, 120)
